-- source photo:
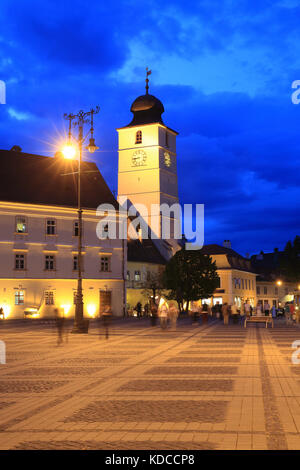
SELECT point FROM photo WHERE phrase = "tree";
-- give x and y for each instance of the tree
(153, 286)
(190, 275)
(290, 264)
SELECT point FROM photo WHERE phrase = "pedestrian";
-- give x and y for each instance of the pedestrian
(204, 312)
(273, 311)
(60, 323)
(1, 313)
(267, 309)
(292, 311)
(163, 315)
(194, 311)
(235, 314)
(173, 315)
(225, 313)
(139, 309)
(106, 315)
(218, 310)
(154, 312)
(242, 315)
(259, 309)
(146, 309)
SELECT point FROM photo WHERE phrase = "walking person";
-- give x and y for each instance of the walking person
(60, 323)
(259, 309)
(139, 309)
(163, 315)
(235, 314)
(194, 311)
(106, 314)
(225, 313)
(267, 309)
(273, 311)
(242, 315)
(154, 312)
(204, 313)
(173, 315)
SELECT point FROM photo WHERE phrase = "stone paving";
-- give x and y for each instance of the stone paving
(200, 387)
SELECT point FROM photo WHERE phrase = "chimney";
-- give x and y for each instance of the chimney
(227, 244)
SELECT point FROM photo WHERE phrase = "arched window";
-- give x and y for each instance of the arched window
(138, 137)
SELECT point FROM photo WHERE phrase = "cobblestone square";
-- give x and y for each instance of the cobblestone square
(212, 386)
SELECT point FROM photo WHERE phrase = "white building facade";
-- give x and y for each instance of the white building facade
(39, 261)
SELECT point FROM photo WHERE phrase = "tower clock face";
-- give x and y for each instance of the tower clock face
(167, 159)
(139, 158)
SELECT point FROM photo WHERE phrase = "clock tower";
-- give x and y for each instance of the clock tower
(147, 171)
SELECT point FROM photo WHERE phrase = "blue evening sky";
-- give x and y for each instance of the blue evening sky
(223, 71)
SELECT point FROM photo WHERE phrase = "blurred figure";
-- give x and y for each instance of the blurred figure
(267, 309)
(146, 309)
(163, 315)
(242, 315)
(218, 310)
(60, 325)
(154, 313)
(225, 313)
(235, 313)
(204, 313)
(138, 309)
(273, 311)
(259, 310)
(106, 314)
(194, 311)
(173, 315)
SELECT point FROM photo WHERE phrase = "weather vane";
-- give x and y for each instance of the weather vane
(148, 72)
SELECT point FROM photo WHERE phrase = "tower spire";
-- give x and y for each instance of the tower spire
(148, 72)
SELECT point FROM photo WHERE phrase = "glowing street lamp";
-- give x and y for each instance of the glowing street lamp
(69, 151)
(279, 283)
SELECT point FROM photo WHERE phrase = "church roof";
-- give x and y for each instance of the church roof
(144, 251)
(36, 179)
(146, 109)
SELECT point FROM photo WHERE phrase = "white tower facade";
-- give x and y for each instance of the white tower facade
(147, 171)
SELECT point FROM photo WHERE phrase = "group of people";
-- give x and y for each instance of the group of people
(165, 312)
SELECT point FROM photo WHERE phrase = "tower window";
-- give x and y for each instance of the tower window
(167, 139)
(138, 137)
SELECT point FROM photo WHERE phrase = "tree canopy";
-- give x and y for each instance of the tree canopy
(290, 265)
(190, 275)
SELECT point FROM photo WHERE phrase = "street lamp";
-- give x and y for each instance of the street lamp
(69, 151)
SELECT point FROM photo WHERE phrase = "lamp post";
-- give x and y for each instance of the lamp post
(69, 152)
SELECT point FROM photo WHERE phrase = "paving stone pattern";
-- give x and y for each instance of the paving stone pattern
(213, 387)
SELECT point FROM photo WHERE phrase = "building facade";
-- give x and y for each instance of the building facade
(237, 278)
(39, 240)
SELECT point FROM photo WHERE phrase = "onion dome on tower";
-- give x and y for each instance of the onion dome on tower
(146, 109)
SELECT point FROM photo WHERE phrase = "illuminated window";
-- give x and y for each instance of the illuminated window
(138, 137)
(49, 262)
(49, 297)
(128, 276)
(105, 263)
(19, 297)
(50, 227)
(137, 275)
(19, 261)
(21, 224)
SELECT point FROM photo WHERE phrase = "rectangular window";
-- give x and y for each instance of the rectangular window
(49, 262)
(137, 275)
(265, 290)
(49, 297)
(258, 290)
(76, 229)
(243, 284)
(167, 139)
(128, 276)
(21, 224)
(19, 297)
(276, 290)
(105, 263)
(51, 227)
(286, 290)
(19, 261)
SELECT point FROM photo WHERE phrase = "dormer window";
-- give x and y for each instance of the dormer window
(138, 137)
